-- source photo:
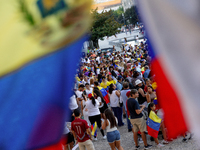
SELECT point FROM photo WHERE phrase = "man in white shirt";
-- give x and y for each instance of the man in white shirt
(79, 94)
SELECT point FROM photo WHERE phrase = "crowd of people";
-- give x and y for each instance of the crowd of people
(111, 86)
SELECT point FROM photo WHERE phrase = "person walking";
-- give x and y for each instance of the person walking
(113, 135)
(151, 109)
(124, 98)
(81, 132)
(114, 103)
(137, 120)
(92, 105)
(103, 106)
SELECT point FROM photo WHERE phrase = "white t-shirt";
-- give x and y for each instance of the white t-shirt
(114, 99)
(98, 71)
(79, 95)
(88, 91)
(127, 59)
(127, 47)
(73, 103)
(98, 59)
(92, 110)
(66, 130)
(99, 99)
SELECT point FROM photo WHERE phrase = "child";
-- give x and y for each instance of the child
(156, 119)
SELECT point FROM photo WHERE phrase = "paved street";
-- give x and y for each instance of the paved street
(105, 43)
(127, 142)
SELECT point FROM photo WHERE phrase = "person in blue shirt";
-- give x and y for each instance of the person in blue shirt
(119, 83)
(147, 71)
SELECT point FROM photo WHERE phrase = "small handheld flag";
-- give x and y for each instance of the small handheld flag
(94, 129)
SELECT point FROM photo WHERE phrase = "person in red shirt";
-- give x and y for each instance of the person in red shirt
(81, 132)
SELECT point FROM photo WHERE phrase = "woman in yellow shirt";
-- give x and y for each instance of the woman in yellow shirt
(104, 83)
(110, 80)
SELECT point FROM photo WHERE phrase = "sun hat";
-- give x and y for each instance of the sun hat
(137, 82)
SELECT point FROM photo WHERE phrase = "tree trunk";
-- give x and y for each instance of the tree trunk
(95, 43)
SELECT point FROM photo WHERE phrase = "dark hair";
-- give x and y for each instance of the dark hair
(133, 92)
(93, 101)
(98, 93)
(109, 115)
(108, 77)
(96, 83)
(81, 86)
(125, 85)
(111, 67)
(111, 88)
(150, 86)
(87, 84)
(149, 107)
(76, 112)
(99, 77)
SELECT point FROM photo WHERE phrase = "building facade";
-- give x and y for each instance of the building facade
(106, 4)
(128, 4)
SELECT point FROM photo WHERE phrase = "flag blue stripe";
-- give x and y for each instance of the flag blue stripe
(27, 94)
(153, 125)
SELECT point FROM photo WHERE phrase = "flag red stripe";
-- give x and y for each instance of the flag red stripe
(106, 98)
(57, 146)
(152, 132)
(168, 100)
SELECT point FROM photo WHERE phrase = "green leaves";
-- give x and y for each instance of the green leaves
(132, 15)
(104, 24)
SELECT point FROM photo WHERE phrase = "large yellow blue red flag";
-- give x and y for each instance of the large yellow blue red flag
(40, 44)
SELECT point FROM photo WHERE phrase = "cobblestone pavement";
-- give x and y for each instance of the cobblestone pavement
(127, 142)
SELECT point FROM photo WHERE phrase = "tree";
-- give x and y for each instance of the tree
(132, 15)
(104, 24)
(118, 15)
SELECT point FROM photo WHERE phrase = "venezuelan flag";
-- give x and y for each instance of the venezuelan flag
(105, 94)
(41, 41)
(94, 129)
(153, 124)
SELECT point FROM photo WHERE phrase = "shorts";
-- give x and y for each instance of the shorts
(69, 138)
(87, 144)
(113, 136)
(139, 124)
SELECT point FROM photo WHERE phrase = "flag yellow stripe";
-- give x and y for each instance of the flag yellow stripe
(22, 43)
(154, 117)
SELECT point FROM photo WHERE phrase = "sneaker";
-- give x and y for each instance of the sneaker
(191, 136)
(137, 147)
(148, 146)
(140, 140)
(184, 140)
(151, 138)
(160, 145)
(129, 130)
(124, 115)
(104, 137)
(165, 142)
(95, 139)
